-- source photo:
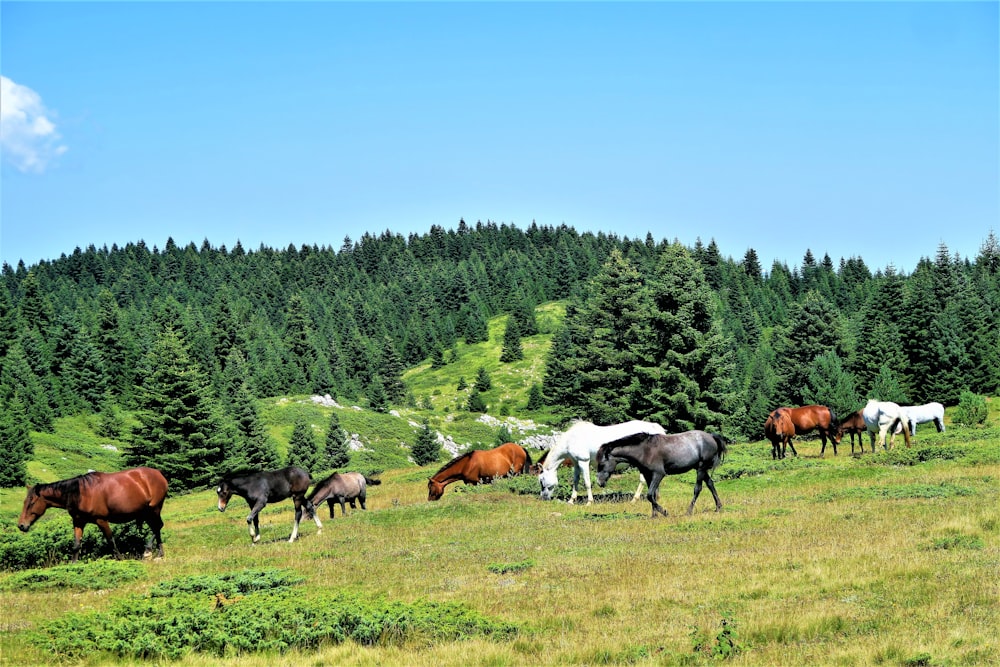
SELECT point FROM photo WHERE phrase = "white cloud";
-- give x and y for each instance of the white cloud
(28, 138)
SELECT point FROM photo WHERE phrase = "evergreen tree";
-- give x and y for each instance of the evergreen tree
(512, 350)
(812, 329)
(377, 399)
(476, 326)
(483, 382)
(426, 449)
(337, 454)
(887, 387)
(15, 443)
(302, 449)
(437, 358)
(829, 384)
(254, 449)
(298, 332)
(560, 383)
(535, 398)
(111, 423)
(180, 431)
(18, 381)
(684, 370)
(475, 402)
(391, 372)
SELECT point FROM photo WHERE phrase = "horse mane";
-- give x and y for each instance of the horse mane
(632, 439)
(67, 489)
(456, 460)
(242, 472)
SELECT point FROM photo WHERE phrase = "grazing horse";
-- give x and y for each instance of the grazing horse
(342, 488)
(812, 418)
(659, 455)
(779, 429)
(853, 425)
(480, 466)
(882, 417)
(919, 414)
(269, 486)
(580, 443)
(100, 498)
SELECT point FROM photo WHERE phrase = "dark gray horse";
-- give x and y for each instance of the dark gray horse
(343, 488)
(657, 456)
(269, 486)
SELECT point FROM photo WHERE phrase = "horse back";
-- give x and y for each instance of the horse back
(121, 494)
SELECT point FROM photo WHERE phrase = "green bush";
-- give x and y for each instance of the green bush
(972, 409)
(51, 542)
(96, 575)
(254, 611)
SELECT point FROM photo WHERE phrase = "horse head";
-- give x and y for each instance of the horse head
(548, 478)
(225, 491)
(435, 489)
(34, 507)
(606, 464)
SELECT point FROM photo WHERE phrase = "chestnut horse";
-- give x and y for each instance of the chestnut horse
(480, 466)
(811, 418)
(99, 498)
(779, 429)
(853, 425)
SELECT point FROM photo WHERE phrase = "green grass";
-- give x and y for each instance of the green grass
(837, 560)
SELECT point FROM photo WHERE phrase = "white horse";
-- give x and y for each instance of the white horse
(883, 416)
(919, 414)
(580, 443)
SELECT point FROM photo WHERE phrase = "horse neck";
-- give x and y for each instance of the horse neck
(53, 496)
(450, 474)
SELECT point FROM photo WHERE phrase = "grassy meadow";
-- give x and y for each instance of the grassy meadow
(880, 559)
(890, 558)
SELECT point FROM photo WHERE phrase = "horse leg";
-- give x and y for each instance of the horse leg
(77, 538)
(576, 480)
(155, 524)
(939, 424)
(697, 491)
(108, 536)
(792, 445)
(585, 471)
(652, 493)
(638, 490)
(253, 524)
(298, 517)
(711, 487)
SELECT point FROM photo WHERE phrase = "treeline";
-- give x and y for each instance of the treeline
(653, 330)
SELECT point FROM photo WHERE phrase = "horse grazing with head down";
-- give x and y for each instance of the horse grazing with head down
(480, 466)
(854, 424)
(102, 498)
(580, 444)
(919, 414)
(810, 418)
(269, 486)
(342, 487)
(779, 429)
(657, 456)
(883, 417)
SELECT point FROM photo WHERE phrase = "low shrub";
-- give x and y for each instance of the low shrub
(51, 542)
(96, 575)
(254, 611)
(972, 409)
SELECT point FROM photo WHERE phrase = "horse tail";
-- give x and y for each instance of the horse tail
(833, 418)
(526, 468)
(720, 442)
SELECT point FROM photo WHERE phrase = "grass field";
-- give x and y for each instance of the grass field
(881, 559)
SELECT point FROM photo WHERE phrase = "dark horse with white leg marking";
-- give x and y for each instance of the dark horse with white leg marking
(346, 487)
(101, 498)
(269, 486)
(657, 456)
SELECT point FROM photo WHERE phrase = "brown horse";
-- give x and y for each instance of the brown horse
(810, 418)
(480, 466)
(853, 425)
(98, 497)
(779, 429)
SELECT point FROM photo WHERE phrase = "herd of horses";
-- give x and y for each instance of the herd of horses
(138, 494)
(877, 417)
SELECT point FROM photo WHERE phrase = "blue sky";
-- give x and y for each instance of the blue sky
(850, 129)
